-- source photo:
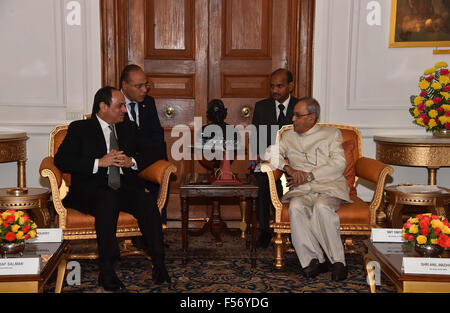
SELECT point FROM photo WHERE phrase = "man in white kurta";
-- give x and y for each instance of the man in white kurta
(315, 167)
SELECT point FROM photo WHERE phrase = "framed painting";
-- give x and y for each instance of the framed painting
(419, 23)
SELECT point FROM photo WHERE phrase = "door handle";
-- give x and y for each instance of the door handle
(170, 112)
(246, 112)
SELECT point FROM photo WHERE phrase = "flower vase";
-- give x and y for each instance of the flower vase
(428, 251)
(441, 133)
(12, 247)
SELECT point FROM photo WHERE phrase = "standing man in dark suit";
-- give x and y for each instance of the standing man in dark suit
(104, 154)
(142, 109)
(272, 113)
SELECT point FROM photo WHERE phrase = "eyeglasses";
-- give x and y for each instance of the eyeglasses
(139, 86)
(301, 115)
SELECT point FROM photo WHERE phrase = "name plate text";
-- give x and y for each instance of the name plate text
(429, 266)
(19, 266)
(386, 235)
(47, 235)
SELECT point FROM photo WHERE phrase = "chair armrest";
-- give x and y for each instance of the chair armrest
(54, 175)
(159, 172)
(273, 175)
(376, 172)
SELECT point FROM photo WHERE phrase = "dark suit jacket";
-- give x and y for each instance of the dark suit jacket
(84, 143)
(266, 114)
(150, 124)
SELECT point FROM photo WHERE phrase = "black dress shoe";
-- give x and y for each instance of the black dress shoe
(264, 240)
(338, 271)
(110, 282)
(315, 268)
(160, 275)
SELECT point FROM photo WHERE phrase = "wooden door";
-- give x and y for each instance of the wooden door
(194, 51)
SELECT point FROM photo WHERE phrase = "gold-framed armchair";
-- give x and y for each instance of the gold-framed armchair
(76, 225)
(357, 218)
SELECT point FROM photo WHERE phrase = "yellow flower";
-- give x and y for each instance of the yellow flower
(33, 226)
(433, 241)
(416, 112)
(424, 85)
(433, 113)
(414, 229)
(421, 239)
(431, 123)
(446, 230)
(5, 215)
(21, 221)
(436, 86)
(15, 228)
(19, 235)
(32, 233)
(429, 103)
(444, 80)
(441, 64)
(413, 220)
(443, 119)
(420, 121)
(446, 95)
(446, 107)
(430, 71)
(418, 100)
(437, 224)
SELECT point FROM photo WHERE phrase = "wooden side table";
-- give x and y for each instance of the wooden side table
(36, 283)
(13, 148)
(197, 185)
(397, 199)
(34, 199)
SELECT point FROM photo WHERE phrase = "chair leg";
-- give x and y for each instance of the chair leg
(279, 250)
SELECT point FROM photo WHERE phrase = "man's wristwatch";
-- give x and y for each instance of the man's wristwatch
(309, 177)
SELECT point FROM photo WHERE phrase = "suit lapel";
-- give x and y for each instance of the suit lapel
(290, 109)
(97, 133)
(273, 112)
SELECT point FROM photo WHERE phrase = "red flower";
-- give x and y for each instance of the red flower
(444, 241)
(423, 93)
(10, 219)
(440, 109)
(435, 217)
(437, 100)
(445, 71)
(407, 225)
(409, 237)
(447, 113)
(5, 224)
(446, 223)
(426, 120)
(26, 218)
(424, 223)
(27, 236)
(425, 231)
(446, 88)
(421, 107)
(25, 229)
(437, 231)
(430, 78)
(447, 125)
(10, 236)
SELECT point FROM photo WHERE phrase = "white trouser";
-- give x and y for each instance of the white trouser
(315, 226)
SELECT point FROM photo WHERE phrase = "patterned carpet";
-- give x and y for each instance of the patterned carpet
(225, 269)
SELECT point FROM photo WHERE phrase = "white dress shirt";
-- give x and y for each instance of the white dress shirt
(106, 133)
(136, 109)
(285, 103)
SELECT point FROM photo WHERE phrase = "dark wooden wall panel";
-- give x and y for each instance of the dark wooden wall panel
(172, 85)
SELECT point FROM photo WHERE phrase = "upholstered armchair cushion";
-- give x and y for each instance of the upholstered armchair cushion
(80, 221)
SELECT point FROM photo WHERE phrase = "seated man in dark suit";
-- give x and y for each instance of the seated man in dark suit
(275, 111)
(104, 154)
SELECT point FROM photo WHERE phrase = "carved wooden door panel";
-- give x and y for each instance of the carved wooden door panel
(194, 51)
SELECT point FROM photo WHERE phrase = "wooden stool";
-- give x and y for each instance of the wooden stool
(436, 202)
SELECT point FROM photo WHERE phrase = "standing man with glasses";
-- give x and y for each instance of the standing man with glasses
(270, 115)
(141, 109)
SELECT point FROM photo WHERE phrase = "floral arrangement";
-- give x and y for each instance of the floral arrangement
(431, 108)
(427, 229)
(16, 226)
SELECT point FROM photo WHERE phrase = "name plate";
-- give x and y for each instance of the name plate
(390, 247)
(19, 266)
(47, 235)
(429, 266)
(386, 235)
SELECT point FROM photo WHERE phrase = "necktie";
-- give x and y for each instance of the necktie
(281, 118)
(114, 173)
(132, 111)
